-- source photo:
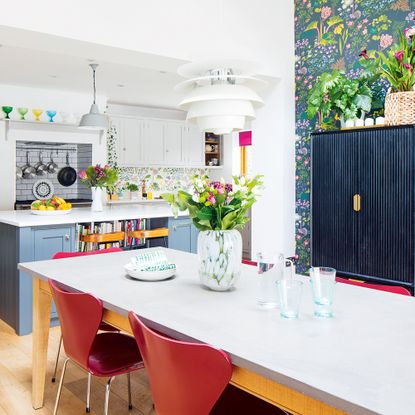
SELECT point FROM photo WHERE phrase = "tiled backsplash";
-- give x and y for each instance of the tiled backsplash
(80, 156)
(158, 179)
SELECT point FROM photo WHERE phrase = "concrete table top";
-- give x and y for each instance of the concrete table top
(361, 361)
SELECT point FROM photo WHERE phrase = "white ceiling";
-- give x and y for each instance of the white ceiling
(142, 83)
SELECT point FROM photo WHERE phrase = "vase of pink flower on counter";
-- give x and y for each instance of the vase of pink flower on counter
(218, 210)
(98, 178)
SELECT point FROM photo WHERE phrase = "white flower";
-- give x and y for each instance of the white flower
(195, 198)
(242, 181)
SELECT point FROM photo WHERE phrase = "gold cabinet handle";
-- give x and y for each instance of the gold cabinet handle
(356, 202)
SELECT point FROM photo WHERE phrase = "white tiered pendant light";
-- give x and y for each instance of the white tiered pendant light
(221, 94)
(94, 119)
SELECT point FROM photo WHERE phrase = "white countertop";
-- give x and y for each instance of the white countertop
(24, 218)
(361, 361)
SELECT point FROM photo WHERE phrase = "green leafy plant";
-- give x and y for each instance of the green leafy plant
(397, 64)
(132, 187)
(97, 176)
(335, 93)
(217, 205)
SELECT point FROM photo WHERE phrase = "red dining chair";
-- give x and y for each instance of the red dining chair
(389, 288)
(103, 326)
(100, 354)
(191, 378)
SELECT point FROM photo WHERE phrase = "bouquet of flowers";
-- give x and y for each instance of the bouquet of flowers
(97, 176)
(217, 205)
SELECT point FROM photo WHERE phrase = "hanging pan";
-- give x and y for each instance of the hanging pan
(67, 175)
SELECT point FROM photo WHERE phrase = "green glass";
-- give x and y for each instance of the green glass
(22, 112)
(7, 111)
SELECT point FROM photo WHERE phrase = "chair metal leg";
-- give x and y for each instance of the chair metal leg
(130, 405)
(57, 360)
(58, 396)
(107, 395)
(88, 394)
(165, 242)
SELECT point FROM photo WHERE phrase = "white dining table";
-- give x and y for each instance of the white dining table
(359, 362)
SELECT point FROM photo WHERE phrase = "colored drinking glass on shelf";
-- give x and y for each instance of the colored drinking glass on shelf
(22, 112)
(37, 113)
(323, 281)
(7, 111)
(50, 114)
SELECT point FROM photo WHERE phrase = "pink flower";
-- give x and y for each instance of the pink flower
(106, 166)
(310, 86)
(325, 12)
(348, 46)
(364, 31)
(82, 174)
(211, 198)
(409, 32)
(350, 23)
(385, 41)
(364, 54)
(409, 67)
(399, 56)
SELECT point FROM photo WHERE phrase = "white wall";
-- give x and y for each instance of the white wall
(273, 151)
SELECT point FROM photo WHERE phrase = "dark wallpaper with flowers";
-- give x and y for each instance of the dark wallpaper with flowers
(330, 34)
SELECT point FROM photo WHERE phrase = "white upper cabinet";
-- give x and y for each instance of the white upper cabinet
(154, 148)
(173, 144)
(130, 141)
(153, 142)
(194, 144)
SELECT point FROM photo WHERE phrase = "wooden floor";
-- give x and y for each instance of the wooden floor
(16, 375)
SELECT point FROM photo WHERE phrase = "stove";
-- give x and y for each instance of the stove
(25, 204)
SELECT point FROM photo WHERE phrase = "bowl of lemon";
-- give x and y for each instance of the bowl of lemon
(51, 207)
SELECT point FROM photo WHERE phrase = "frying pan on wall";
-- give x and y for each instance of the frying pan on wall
(67, 175)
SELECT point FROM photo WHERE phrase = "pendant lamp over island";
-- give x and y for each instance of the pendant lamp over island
(221, 95)
(94, 119)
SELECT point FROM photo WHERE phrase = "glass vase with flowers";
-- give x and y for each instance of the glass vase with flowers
(218, 210)
(98, 178)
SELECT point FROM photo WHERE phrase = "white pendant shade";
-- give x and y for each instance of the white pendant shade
(221, 107)
(219, 100)
(221, 122)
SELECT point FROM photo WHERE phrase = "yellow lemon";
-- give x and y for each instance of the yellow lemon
(42, 207)
(50, 208)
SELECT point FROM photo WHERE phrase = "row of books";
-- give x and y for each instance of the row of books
(109, 227)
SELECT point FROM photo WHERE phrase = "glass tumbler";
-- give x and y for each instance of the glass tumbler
(323, 281)
(272, 267)
(289, 294)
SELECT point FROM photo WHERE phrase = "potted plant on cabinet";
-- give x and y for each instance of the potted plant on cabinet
(335, 93)
(397, 66)
(218, 210)
(98, 178)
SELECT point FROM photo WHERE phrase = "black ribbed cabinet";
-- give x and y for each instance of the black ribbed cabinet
(362, 202)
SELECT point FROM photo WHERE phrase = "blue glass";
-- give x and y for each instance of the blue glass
(289, 294)
(323, 281)
(50, 114)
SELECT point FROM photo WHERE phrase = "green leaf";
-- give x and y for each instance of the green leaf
(311, 26)
(168, 197)
(228, 220)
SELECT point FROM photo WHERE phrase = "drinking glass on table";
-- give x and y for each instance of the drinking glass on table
(323, 281)
(272, 267)
(289, 294)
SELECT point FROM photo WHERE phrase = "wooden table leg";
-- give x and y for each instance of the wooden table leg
(42, 303)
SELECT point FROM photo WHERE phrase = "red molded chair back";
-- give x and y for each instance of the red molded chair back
(60, 255)
(389, 288)
(248, 262)
(80, 316)
(185, 378)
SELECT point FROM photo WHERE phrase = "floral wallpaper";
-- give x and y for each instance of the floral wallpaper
(330, 34)
(158, 179)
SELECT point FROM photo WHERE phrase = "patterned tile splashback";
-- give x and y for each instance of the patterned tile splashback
(158, 179)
